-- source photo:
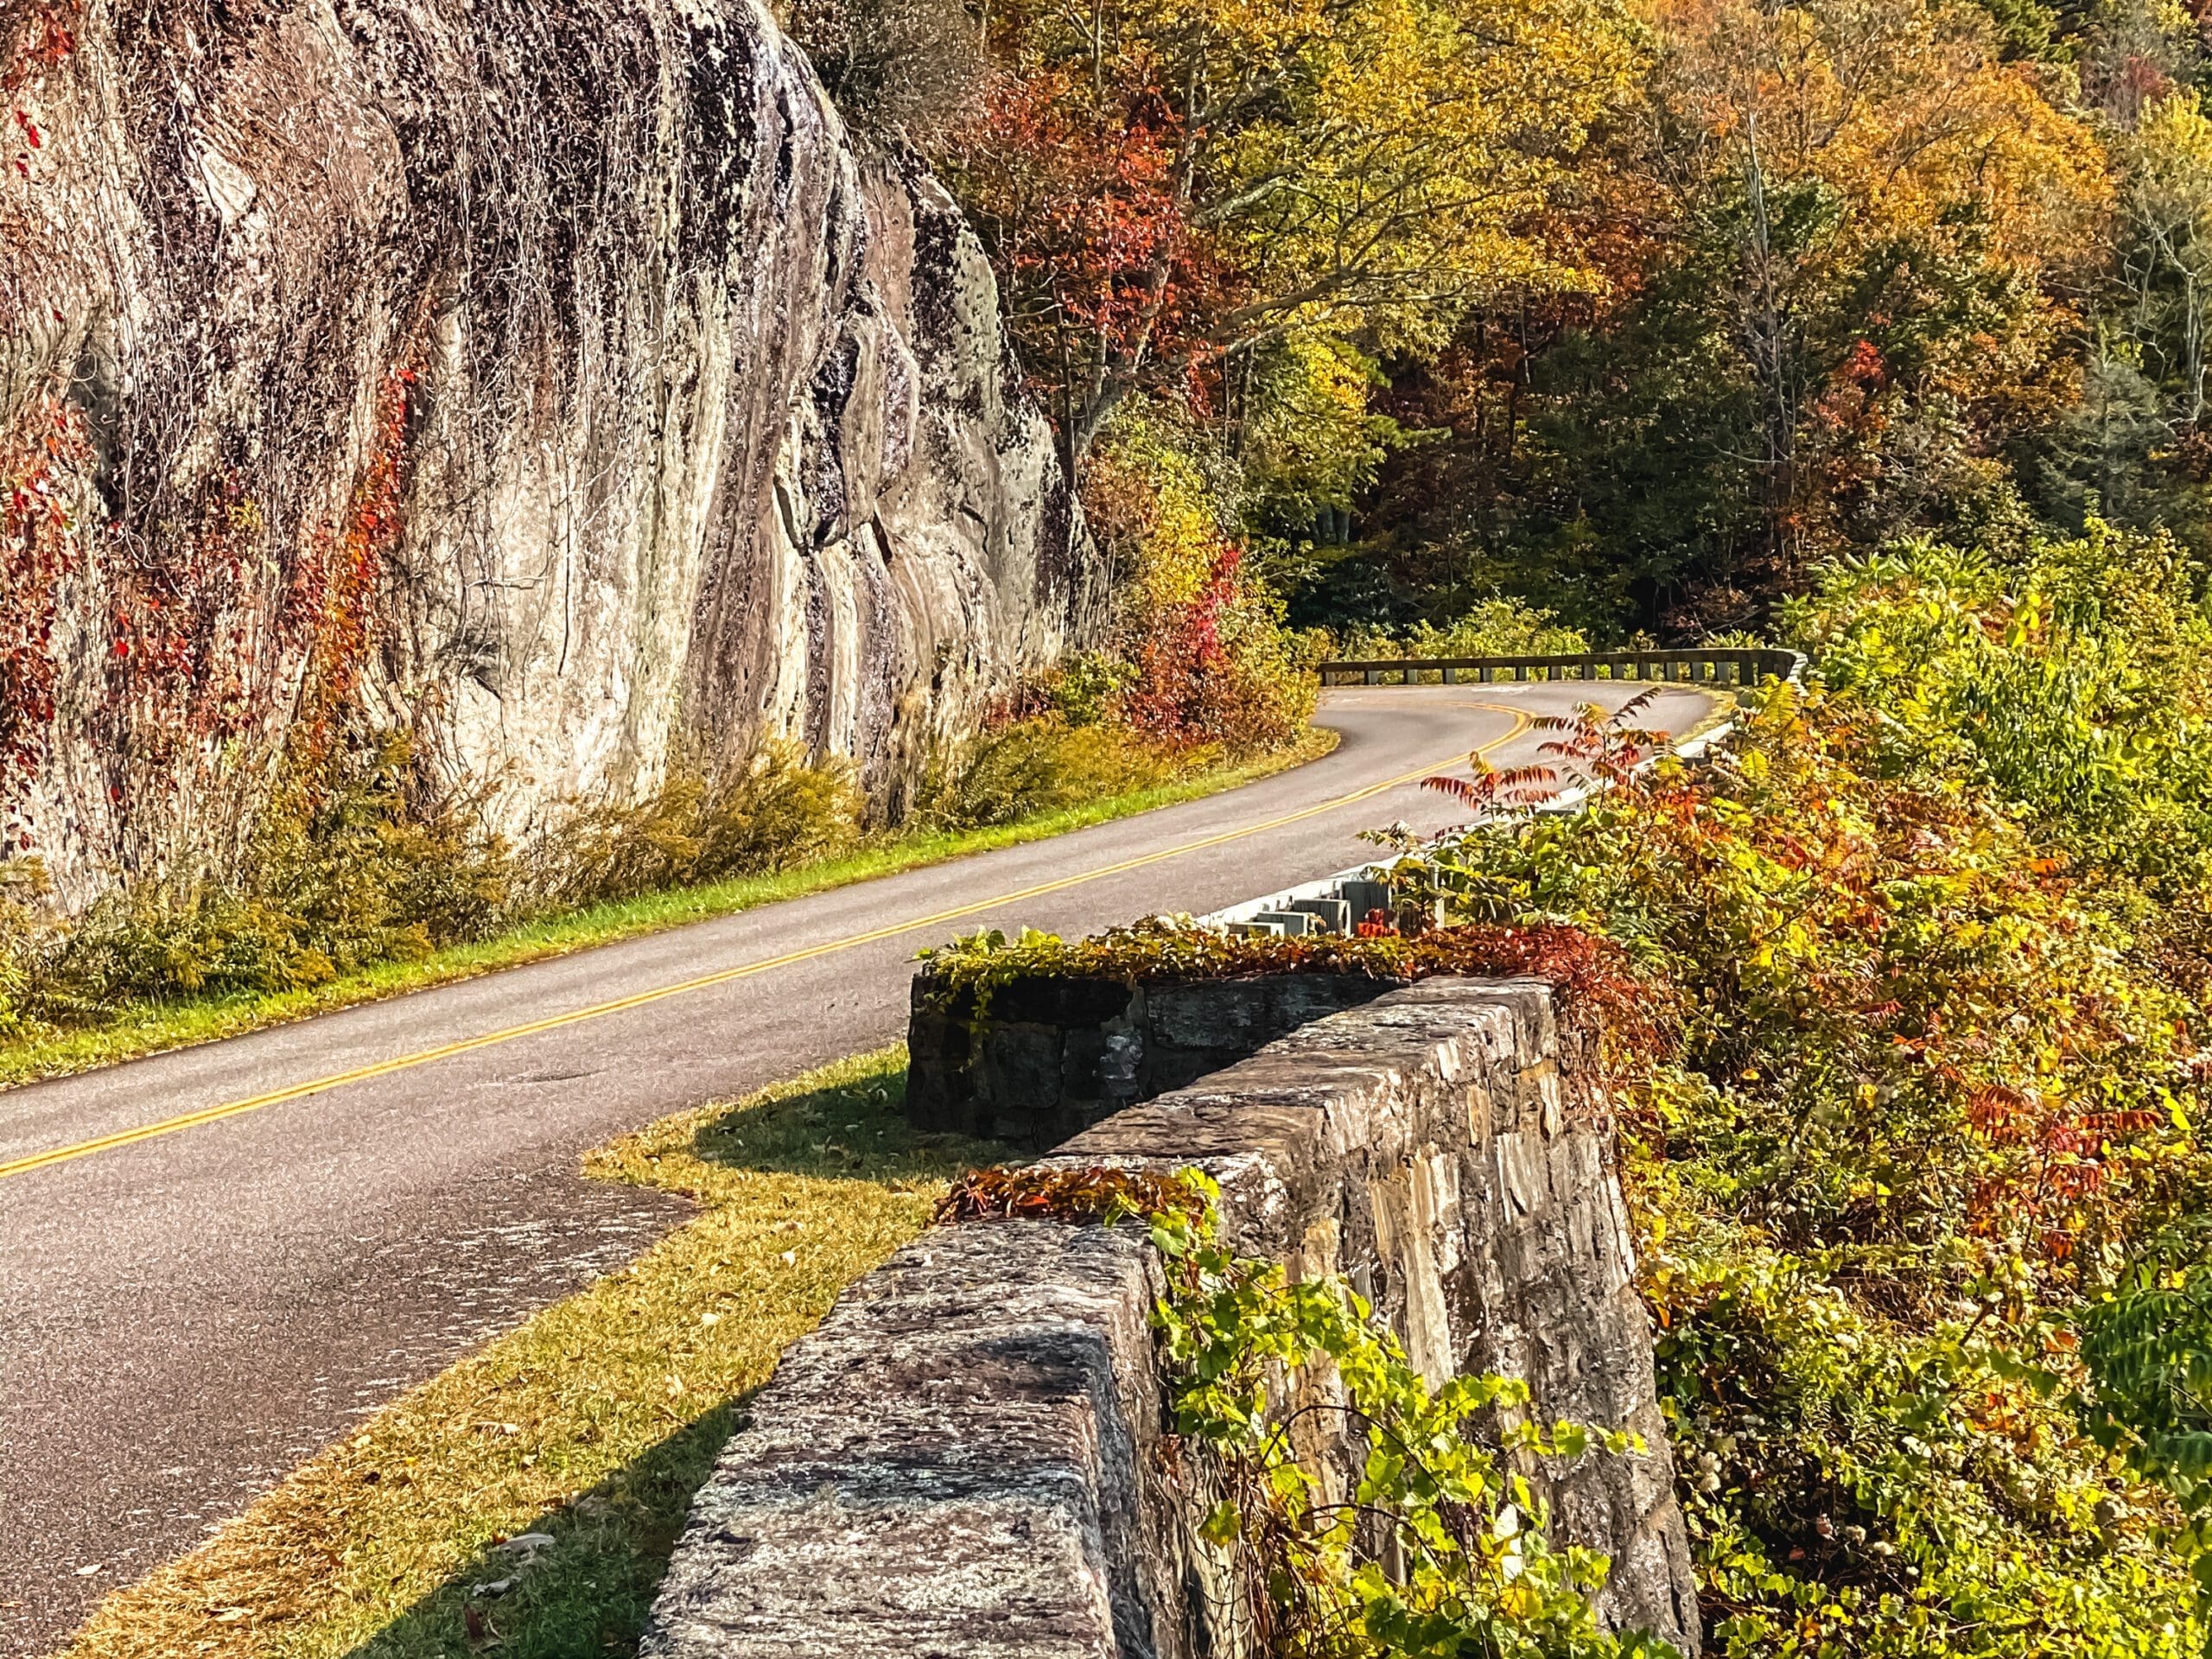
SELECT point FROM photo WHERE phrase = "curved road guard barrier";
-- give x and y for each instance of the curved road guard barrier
(1717, 665)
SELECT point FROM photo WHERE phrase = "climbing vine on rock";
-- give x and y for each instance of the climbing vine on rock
(333, 594)
(1428, 1543)
(41, 546)
(43, 37)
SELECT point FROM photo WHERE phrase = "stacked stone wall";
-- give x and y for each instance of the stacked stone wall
(1040, 1060)
(971, 1455)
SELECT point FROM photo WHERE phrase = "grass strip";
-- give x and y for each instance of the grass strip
(589, 1428)
(140, 1028)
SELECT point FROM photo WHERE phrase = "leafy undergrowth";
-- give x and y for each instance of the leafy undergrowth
(116, 1027)
(1263, 1371)
(561, 1458)
(1601, 991)
(1933, 1106)
(1251, 1355)
(1498, 626)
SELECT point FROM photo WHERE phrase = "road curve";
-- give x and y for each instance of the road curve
(212, 1260)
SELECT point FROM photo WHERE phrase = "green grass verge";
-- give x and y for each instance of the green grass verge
(149, 1027)
(590, 1426)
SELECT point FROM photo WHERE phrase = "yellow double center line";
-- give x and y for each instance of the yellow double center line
(724, 976)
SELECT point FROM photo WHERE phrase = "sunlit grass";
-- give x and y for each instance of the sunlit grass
(149, 1027)
(590, 1426)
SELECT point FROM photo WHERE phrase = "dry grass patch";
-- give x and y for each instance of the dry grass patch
(523, 1503)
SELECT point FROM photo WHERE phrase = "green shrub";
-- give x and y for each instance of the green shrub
(1201, 656)
(358, 865)
(1498, 627)
(778, 809)
(2075, 687)
(1927, 1103)
(362, 862)
(24, 932)
(1042, 765)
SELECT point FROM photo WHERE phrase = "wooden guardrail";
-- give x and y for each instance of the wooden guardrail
(1728, 665)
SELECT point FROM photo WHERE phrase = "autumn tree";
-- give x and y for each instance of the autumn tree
(1171, 184)
(1846, 245)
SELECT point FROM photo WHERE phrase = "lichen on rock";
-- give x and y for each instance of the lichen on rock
(557, 381)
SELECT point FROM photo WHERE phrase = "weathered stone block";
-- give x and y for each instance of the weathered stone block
(1121, 1043)
(1225, 1014)
(1020, 1067)
(1038, 999)
(953, 1463)
(1101, 1064)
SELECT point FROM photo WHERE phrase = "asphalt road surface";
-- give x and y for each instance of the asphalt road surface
(190, 1309)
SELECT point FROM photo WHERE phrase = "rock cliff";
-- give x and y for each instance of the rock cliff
(556, 380)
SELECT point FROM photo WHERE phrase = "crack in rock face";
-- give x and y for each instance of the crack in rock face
(556, 380)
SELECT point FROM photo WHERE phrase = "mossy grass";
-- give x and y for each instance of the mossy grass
(138, 1028)
(590, 1426)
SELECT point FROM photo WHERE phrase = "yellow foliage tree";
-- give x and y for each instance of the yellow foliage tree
(1173, 181)
(1863, 146)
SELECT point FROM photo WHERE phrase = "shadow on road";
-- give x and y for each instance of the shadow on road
(579, 1581)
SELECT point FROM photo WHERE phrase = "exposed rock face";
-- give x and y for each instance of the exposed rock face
(551, 378)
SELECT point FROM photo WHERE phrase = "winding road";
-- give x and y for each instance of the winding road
(213, 1260)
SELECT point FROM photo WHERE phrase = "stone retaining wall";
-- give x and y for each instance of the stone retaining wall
(1047, 1058)
(969, 1456)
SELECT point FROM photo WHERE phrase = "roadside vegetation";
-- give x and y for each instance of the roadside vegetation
(1902, 993)
(1877, 329)
(526, 1501)
(368, 895)
(1874, 328)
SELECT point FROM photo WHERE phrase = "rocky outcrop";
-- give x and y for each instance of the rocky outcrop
(554, 381)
